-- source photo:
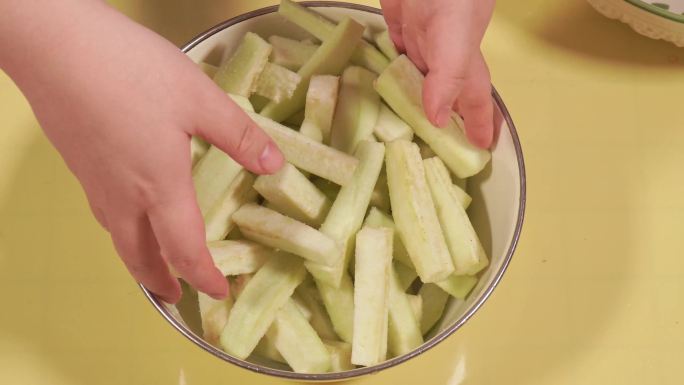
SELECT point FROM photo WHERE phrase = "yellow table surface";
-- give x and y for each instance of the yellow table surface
(595, 293)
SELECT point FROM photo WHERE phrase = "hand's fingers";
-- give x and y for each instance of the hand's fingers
(227, 127)
(179, 228)
(450, 46)
(136, 244)
(391, 10)
(412, 40)
(475, 104)
(447, 61)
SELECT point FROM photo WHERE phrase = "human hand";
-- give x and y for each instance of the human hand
(442, 37)
(120, 104)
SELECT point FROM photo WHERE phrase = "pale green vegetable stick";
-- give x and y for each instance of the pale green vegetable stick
(401, 86)
(404, 327)
(292, 194)
(386, 45)
(372, 295)
(364, 55)
(389, 126)
(297, 341)
(259, 302)
(458, 285)
(311, 131)
(463, 243)
(340, 355)
(406, 275)
(416, 302)
(218, 221)
(239, 73)
(214, 314)
(237, 257)
(347, 212)
(414, 212)
(212, 176)
(462, 196)
(276, 83)
(321, 99)
(427, 153)
(380, 197)
(289, 53)
(309, 155)
(484, 262)
(434, 301)
(339, 302)
(320, 320)
(329, 59)
(265, 348)
(357, 109)
(377, 218)
(242, 102)
(209, 69)
(273, 229)
(437, 166)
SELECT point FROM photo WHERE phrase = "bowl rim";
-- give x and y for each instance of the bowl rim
(656, 10)
(427, 345)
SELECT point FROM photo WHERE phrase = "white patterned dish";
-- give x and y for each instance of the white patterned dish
(657, 19)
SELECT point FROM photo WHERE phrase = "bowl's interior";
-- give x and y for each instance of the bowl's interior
(496, 209)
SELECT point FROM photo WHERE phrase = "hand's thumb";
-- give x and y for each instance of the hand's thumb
(227, 127)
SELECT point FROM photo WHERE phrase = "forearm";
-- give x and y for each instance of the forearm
(45, 40)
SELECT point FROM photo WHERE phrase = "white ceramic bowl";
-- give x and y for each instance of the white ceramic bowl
(498, 192)
(657, 19)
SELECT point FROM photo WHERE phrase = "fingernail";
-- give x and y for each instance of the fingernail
(271, 160)
(443, 116)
